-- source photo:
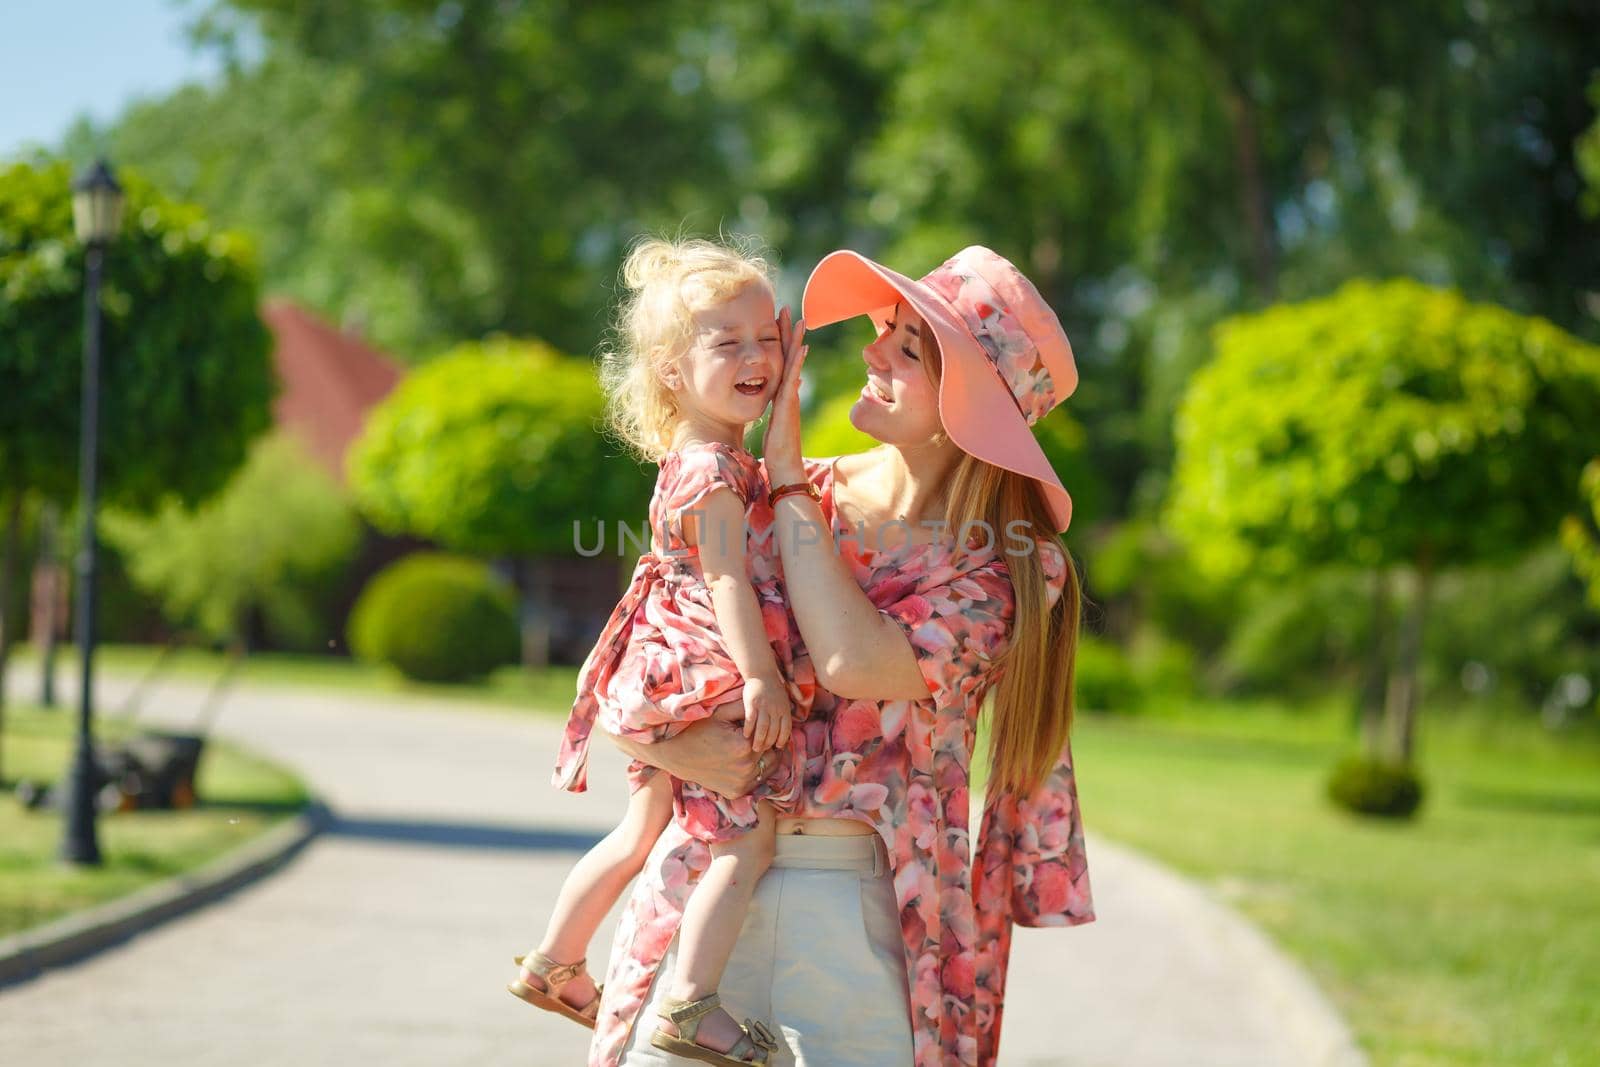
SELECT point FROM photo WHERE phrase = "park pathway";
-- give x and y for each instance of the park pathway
(388, 939)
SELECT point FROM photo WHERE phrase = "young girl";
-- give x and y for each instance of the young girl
(703, 630)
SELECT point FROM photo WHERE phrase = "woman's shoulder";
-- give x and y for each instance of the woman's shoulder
(819, 471)
(982, 574)
(1052, 557)
(842, 466)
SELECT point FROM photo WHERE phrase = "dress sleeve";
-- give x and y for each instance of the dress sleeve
(956, 628)
(699, 471)
(1031, 852)
(1032, 864)
(696, 472)
(1053, 558)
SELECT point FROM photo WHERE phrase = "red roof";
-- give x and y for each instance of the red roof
(330, 379)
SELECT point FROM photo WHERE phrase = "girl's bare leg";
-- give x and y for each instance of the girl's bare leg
(712, 920)
(598, 879)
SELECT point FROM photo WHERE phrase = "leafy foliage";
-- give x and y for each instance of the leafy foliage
(439, 170)
(186, 382)
(1511, 630)
(1374, 787)
(1103, 681)
(435, 618)
(1387, 421)
(495, 448)
(1580, 534)
(1177, 162)
(1589, 154)
(475, 166)
(271, 541)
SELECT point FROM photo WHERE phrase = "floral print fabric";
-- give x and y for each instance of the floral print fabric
(1002, 335)
(661, 663)
(904, 768)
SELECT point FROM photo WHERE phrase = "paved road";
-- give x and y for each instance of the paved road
(387, 941)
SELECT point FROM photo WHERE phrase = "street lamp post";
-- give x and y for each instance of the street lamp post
(96, 214)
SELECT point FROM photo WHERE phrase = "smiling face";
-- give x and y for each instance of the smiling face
(729, 373)
(899, 405)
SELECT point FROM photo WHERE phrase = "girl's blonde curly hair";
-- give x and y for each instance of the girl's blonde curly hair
(666, 283)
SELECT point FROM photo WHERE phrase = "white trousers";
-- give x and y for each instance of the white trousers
(820, 960)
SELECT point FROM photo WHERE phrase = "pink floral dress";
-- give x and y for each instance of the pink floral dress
(661, 663)
(903, 767)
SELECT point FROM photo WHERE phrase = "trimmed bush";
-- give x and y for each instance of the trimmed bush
(1102, 680)
(1160, 664)
(436, 618)
(1371, 787)
(495, 449)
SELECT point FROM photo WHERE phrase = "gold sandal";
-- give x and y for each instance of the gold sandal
(555, 975)
(686, 1015)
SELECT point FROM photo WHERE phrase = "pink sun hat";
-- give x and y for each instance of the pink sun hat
(1006, 359)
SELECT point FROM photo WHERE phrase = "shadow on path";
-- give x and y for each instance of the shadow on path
(462, 835)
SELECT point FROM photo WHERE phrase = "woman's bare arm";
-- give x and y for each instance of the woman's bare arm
(857, 652)
(712, 752)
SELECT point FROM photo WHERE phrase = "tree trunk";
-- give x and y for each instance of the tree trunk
(1370, 704)
(1401, 710)
(532, 583)
(8, 582)
(1244, 116)
(49, 600)
(1253, 201)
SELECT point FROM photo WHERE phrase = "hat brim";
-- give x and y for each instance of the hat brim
(975, 404)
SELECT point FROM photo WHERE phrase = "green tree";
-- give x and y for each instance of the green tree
(1387, 426)
(495, 448)
(267, 150)
(448, 170)
(1180, 161)
(186, 381)
(269, 544)
(523, 144)
(1588, 152)
(1580, 532)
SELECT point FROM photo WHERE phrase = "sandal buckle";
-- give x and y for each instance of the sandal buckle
(554, 974)
(763, 1038)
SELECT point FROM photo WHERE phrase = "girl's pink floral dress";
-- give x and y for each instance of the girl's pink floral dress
(661, 662)
(903, 767)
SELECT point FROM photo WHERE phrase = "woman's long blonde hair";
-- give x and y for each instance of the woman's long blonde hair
(1032, 713)
(666, 283)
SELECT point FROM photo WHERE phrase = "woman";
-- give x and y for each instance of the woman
(876, 938)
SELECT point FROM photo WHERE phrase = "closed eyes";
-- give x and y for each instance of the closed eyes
(889, 327)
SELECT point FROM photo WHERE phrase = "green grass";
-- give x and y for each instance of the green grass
(1468, 936)
(240, 797)
(512, 689)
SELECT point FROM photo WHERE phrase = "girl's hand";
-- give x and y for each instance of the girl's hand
(780, 448)
(767, 712)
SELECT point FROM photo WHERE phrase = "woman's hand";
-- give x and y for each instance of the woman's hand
(780, 448)
(712, 752)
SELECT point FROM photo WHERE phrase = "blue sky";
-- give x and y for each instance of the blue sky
(61, 58)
